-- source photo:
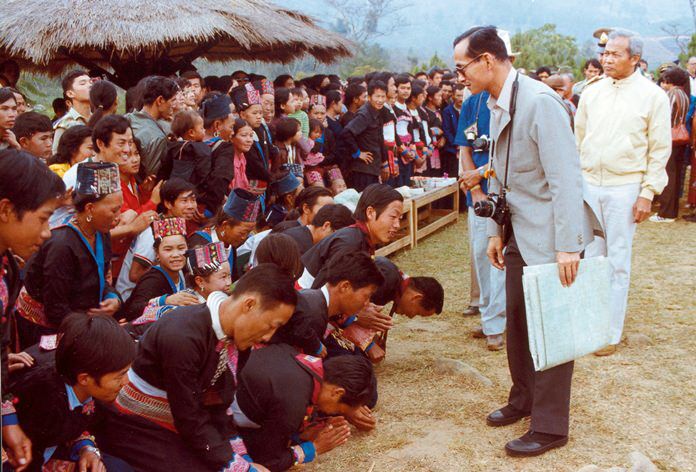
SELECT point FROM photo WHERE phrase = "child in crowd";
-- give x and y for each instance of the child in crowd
(301, 106)
(288, 136)
(75, 146)
(163, 283)
(34, 133)
(321, 164)
(208, 270)
(187, 157)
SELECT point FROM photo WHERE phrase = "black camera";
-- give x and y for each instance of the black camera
(494, 207)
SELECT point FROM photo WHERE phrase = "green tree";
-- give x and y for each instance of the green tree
(545, 47)
(690, 50)
(368, 58)
(434, 61)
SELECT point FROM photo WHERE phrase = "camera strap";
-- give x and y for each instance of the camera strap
(513, 106)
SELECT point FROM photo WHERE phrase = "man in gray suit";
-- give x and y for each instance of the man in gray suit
(549, 222)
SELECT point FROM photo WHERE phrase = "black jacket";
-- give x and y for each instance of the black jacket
(306, 327)
(274, 392)
(178, 355)
(217, 185)
(63, 275)
(364, 134)
(44, 411)
(350, 238)
(151, 285)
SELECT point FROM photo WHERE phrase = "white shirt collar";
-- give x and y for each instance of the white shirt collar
(325, 291)
(503, 100)
(214, 301)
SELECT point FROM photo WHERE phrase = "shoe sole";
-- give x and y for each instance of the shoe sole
(548, 447)
(505, 422)
(494, 348)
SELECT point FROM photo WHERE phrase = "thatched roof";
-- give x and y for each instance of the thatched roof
(129, 35)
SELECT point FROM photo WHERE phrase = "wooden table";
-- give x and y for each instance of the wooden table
(407, 233)
(427, 219)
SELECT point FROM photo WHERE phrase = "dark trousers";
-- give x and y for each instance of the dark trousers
(545, 394)
(404, 177)
(145, 445)
(360, 181)
(669, 199)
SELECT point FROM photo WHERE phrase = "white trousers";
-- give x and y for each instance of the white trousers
(491, 281)
(614, 208)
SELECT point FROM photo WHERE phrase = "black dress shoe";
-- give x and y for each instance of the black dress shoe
(471, 311)
(505, 416)
(534, 444)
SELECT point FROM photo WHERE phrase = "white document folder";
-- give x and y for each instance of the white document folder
(566, 323)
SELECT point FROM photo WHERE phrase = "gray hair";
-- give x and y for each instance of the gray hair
(635, 42)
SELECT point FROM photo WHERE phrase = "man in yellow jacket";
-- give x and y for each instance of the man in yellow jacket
(623, 134)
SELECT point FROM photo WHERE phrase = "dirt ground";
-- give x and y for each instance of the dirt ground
(641, 399)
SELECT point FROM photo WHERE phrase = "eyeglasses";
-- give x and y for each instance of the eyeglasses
(461, 70)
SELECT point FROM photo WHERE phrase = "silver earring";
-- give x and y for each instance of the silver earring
(89, 218)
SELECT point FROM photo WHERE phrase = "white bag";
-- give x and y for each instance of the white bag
(566, 323)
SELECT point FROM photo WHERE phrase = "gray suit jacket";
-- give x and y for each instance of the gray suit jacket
(545, 185)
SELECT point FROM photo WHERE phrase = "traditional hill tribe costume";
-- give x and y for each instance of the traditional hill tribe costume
(223, 169)
(306, 328)
(172, 415)
(201, 260)
(156, 284)
(52, 416)
(302, 236)
(352, 238)
(275, 400)
(242, 206)
(67, 274)
(10, 285)
(262, 153)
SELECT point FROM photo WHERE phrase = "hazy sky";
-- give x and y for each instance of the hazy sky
(434, 23)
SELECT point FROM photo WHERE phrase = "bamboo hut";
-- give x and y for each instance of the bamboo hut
(130, 39)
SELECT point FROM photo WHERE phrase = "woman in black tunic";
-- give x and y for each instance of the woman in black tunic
(71, 271)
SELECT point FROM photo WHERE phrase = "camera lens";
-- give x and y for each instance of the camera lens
(481, 144)
(484, 209)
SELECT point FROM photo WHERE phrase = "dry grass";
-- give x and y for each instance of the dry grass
(639, 399)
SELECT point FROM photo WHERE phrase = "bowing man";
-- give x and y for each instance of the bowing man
(377, 218)
(172, 415)
(279, 393)
(56, 397)
(351, 279)
(409, 296)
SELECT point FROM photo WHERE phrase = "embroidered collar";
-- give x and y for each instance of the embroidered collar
(362, 226)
